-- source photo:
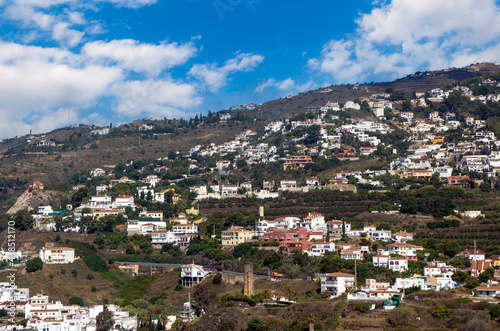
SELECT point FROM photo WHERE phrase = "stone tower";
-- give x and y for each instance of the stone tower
(248, 279)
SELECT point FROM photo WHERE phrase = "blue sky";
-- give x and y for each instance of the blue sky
(104, 61)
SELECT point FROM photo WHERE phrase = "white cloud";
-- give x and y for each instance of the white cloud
(36, 82)
(57, 19)
(133, 55)
(66, 36)
(403, 36)
(38, 86)
(130, 3)
(288, 86)
(214, 77)
(163, 98)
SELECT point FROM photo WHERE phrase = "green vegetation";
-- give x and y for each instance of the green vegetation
(34, 264)
(95, 263)
(76, 301)
(403, 315)
(440, 312)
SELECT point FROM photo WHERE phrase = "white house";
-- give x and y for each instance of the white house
(135, 226)
(192, 274)
(320, 248)
(313, 221)
(180, 229)
(288, 184)
(404, 283)
(351, 254)
(402, 236)
(263, 225)
(97, 172)
(403, 249)
(151, 180)
(124, 201)
(100, 201)
(335, 227)
(57, 255)
(488, 291)
(10, 293)
(45, 210)
(439, 269)
(152, 214)
(161, 237)
(336, 283)
(226, 190)
(473, 255)
(351, 105)
(382, 235)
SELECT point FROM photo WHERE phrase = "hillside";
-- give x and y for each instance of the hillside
(420, 82)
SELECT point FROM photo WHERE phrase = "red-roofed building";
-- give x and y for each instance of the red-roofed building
(488, 291)
(479, 266)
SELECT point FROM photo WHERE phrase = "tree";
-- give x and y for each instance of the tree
(495, 311)
(104, 320)
(471, 282)
(486, 275)
(242, 249)
(311, 319)
(440, 311)
(289, 292)
(267, 295)
(459, 276)
(34, 264)
(76, 301)
(23, 220)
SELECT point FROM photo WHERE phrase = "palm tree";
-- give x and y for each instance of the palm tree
(289, 292)
(311, 319)
(267, 295)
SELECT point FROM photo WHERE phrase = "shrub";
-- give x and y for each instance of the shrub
(179, 287)
(227, 297)
(95, 263)
(495, 311)
(402, 315)
(34, 264)
(76, 301)
(440, 311)
(474, 324)
(257, 325)
(3, 312)
(90, 276)
(74, 272)
(362, 307)
(93, 289)
(217, 278)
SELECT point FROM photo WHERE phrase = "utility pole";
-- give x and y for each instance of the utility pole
(355, 275)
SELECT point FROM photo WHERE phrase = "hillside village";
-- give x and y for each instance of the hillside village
(276, 196)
